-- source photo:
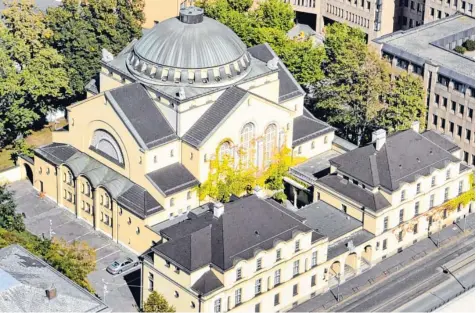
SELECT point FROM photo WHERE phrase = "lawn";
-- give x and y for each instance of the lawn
(36, 139)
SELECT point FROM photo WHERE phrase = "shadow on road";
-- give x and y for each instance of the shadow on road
(133, 282)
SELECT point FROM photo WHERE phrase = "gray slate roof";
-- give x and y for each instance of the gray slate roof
(246, 226)
(424, 43)
(207, 283)
(403, 158)
(328, 220)
(24, 279)
(441, 140)
(141, 116)
(307, 127)
(340, 247)
(129, 195)
(375, 202)
(288, 86)
(216, 114)
(172, 179)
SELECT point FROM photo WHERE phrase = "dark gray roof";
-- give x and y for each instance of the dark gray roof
(288, 86)
(24, 279)
(216, 114)
(441, 140)
(374, 202)
(92, 86)
(246, 226)
(141, 116)
(306, 128)
(328, 220)
(190, 46)
(315, 167)
(172, 179)
(129, 195)
(340, 247)
(404, 156)
(428, 43)
(207, 283)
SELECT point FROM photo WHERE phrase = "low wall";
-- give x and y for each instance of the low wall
(10, 175)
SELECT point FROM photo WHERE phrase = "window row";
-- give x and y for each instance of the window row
(451, 128)
(349, 16)
(445, 81)
(455, 108)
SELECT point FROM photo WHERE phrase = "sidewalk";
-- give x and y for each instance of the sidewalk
(386, 267)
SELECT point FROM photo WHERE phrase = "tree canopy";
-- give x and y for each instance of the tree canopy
(157, 303)
(32, 73)
(9, 219)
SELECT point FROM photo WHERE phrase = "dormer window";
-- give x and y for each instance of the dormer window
(297, 246)
(204, 75)
(402, 196)
(177, 77)
(191, 77)
(165, 74)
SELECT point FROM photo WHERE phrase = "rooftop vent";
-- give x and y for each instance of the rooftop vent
(191, 15)
(51, 292)
(218, 209)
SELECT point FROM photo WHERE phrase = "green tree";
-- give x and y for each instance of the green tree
(275, 14)
(9, 219)
(32, 74)
(405, 104)
(25, 239)
(81, 29)
(157, 303)
(20, 146)
(240, 5)
(75, 260)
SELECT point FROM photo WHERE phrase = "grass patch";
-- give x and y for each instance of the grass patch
(35, 139)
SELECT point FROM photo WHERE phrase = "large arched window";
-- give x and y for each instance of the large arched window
(225, 150)
(269, 143)
(247, 136)
(106, 145)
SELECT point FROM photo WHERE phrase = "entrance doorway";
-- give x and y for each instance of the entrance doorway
(29, 172)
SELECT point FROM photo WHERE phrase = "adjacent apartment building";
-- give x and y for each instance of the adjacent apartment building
(439, 9)
(427, 51)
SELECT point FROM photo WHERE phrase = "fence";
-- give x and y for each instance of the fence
(451, 298)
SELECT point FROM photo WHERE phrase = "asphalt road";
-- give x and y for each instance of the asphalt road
(407, 284)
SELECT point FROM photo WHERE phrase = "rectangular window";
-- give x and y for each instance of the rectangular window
(384, 244)
(443, 123)
(452, 128)
(412, 5)
(296, 268)
(238, 274)
(430, 221)
(460, 131)
(297, 246)
(453, 106)
(460, 187)
(277, 277)
(295, 290)
(276, 299)
(468, 135)
(402, 196)
(257, 307)
(400, 236)
(313, 280)
(217, 306)
(385, 223)
(437, 99)
(461, 109)
(344, 208)
(447, 191)
(278, 255)
(417, 208)
(415, 229)
(418, 188)
(401, 216)
(151, 282)
(448, 174)
(433, 181)
(238, 296)
(445, 102)
(445, 213)
(258, 286)
(432, 201)
(258, 264)
(314, 259)
(435, 119)
(466, 157)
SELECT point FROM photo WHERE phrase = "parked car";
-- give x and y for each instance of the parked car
(120, 266)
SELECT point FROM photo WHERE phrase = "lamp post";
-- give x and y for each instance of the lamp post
(338, 285)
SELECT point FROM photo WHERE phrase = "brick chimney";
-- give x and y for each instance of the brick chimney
(51, 292)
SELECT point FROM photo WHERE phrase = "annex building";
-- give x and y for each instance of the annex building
(189, 92)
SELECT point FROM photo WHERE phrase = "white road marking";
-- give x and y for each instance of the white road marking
(80, 236)
(103, 247)
(107, 255)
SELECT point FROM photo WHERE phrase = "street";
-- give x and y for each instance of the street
(43, 216)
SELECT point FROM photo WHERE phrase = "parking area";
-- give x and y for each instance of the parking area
(42, 216)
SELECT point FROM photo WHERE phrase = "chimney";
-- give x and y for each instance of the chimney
(416, 126)
(51, 292)
(218, 209)
(259, 192)
(379, 137)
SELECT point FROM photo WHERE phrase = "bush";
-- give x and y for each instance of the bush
(469, 45)
(280, 197)
(460, 49)
(157, 303)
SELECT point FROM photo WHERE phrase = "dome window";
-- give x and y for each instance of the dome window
(204, 76)
(143, 67)
(191, 77)
(237, 68)
(177, 77)
(243, 63)
(153, 70)
(216, 74)
(165, 74)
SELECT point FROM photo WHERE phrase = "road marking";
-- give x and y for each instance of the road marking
(80, 236)
(58, 226)
(103, 247)
(107, 255)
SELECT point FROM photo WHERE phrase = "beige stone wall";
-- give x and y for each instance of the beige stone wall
(162, 156)
(44, 172)
(315, 146)
(160, 10)
(435, 9)
(133, 233)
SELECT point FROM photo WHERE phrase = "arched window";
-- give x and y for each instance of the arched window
(269, 143)
(247, 136)
(225, 150)
(105, 144)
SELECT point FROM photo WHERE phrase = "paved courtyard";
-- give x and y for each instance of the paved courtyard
(122, 291)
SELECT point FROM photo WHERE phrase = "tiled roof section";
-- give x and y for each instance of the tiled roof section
(358, 238)
(172, 179)
(441, 140)
(328, 220)
(207, 283)
(404, 156)
(372, 201)
(289, 88)
(306, 128)
(128, 194)
(246, 226)
(218, 112)
(24, 278)
(92, 86)
(141, 116)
